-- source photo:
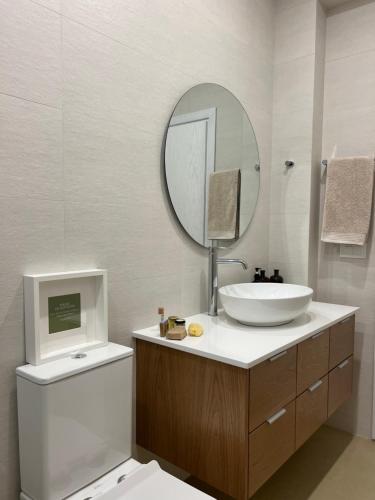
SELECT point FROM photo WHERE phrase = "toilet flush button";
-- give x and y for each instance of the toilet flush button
(79, 355)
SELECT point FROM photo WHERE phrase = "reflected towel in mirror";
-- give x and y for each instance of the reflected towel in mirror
(224, 205)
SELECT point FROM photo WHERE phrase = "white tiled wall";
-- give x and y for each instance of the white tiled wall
(86, 90)
(316, 156)
(349, 124)
(296, 63)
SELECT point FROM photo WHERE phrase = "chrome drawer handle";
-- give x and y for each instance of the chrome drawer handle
(317, 384)
(278, 356)
(275, 417)
(343, 364)
(318, 334)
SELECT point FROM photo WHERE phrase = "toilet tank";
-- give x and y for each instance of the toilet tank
(75, 420)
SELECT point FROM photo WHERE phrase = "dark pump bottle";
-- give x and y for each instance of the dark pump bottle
(263, 277)
(276, 278)
(256, 275)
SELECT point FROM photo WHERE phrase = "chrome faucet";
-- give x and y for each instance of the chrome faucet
(213, 287)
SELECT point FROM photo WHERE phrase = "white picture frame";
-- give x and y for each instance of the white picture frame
(92, 286)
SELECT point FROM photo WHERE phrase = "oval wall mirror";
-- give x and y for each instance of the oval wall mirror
(209, 131)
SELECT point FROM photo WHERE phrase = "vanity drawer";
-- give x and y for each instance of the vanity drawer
(341, 343)
(270, 446)
(340, 385)
(272, 386)
(311, 410)
(312, 360)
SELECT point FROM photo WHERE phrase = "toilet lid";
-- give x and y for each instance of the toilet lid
(150, 482)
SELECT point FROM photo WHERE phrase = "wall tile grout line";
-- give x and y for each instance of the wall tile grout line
(131, 47)
(276, 64)
(45, 7)
(288, 7)
(30, 100)
(347, 108)
(360, 52)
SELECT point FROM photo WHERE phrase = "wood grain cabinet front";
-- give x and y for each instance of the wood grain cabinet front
(312, 360)
(193, 412)
(311, 410)
(272, 386)
(341, 343)
(233, 427)
(270, 446)
(340, 385)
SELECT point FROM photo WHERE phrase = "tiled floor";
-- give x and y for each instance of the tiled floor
(332, 465)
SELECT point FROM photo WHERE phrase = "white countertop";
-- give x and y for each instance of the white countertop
(228, 341)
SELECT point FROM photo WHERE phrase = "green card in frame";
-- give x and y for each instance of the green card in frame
(64, 313)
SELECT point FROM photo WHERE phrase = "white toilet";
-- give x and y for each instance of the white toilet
(75, 428)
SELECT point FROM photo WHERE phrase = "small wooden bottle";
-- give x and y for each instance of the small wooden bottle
(163, 322)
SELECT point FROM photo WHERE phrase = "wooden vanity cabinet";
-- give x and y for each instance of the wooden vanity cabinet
(340, 385)
(232, 427)
(312, 360)
(341, 341)
(272, 385)
(270, 446)
(311, 410)
(193, 412)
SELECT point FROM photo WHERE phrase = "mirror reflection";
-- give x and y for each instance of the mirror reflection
(209, 132)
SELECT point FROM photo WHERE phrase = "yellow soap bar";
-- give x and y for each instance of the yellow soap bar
(195, 330)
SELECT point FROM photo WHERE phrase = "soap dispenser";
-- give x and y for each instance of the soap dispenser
(276, 278)
(256, 275)
(263, 277)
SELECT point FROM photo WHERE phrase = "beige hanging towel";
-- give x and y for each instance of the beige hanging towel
(224, 194)
(348, 200)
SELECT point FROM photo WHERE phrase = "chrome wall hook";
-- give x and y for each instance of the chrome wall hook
(323, 168)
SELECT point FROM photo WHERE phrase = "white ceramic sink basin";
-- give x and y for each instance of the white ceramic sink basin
(265, 304)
